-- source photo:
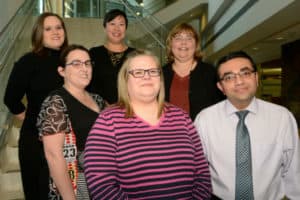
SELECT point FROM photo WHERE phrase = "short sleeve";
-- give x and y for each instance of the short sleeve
(53, 117)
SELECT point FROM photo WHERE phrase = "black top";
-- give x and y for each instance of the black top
(67, 113)
(34, 76)
(203, 90)
(105, 73)
(63, 113)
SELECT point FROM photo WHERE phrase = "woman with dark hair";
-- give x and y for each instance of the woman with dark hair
(109, 57)
(65, 119)
(190, 83)
(34, 75)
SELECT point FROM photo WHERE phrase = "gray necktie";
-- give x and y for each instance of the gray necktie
(243, 180)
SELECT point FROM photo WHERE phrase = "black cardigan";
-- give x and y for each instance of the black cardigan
(203, 90)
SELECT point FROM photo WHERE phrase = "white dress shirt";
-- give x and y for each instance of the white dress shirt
(275, 149)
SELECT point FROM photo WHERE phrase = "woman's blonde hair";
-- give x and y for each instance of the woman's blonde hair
(123, 95)
(179, 28)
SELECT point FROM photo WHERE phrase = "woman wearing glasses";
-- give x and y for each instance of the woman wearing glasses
(144, 148)
(190, 83)
(65, 119)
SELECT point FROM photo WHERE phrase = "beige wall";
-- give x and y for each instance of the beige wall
(88, 32)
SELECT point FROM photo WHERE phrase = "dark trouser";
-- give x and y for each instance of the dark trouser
(34, 170)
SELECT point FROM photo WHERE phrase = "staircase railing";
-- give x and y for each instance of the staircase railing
(146, 31)
(13, 29)
(14, 41)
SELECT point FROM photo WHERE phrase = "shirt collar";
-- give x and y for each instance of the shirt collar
(231, 109)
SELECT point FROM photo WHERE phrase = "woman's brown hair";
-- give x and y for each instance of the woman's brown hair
(37, 33)
(183, 27)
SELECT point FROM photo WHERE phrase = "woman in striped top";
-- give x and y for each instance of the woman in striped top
(144, 148)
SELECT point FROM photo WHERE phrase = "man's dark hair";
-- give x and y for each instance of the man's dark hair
(235, 54)
(112, 14)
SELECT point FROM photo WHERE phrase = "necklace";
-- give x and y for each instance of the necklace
(116, 58)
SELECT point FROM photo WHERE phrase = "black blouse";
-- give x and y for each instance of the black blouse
(61, 112)
(105, 72)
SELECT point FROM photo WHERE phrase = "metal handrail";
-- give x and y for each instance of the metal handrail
(13, 29)
(141, 21)
(9, 37)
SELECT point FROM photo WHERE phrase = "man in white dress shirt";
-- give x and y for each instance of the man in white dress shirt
(273, 133)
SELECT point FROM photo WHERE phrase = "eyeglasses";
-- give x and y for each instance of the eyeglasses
(77, 63)
(140, 73)
(231, 77)
(183, 37)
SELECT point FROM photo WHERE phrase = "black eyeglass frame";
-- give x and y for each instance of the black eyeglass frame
(143, 72)
(241, 74)
(78, 63)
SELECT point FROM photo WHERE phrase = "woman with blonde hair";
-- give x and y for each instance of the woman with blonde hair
(144, 148)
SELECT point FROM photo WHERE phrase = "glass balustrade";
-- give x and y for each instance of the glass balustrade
(144, 30)
(14, 41)
(98, 8)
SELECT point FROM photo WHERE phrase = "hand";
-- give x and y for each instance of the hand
(20, 116)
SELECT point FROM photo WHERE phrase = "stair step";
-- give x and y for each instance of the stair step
(12, 137)
(11, 186)
(9, 160)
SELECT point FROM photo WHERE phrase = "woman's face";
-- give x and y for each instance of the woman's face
(146, 87)
(53, 33)
(183, 46)
(78, 70)
(116, 30)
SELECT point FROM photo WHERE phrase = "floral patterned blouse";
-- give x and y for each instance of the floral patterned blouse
(61, 112)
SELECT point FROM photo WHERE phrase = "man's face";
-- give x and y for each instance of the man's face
(238, 81)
